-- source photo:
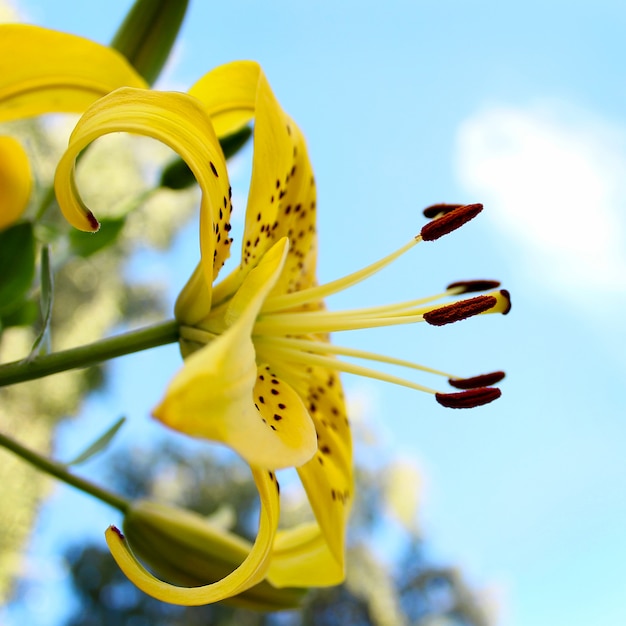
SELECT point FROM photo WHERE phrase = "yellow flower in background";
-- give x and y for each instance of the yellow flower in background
(44, 71)
(16, 181)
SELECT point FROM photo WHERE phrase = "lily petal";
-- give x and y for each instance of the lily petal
(56, 73)
(177, 120)
(16, 181)
(229, 94)
(282, 200)
(248, 574)
(301, 558)
(219, 393)
(327, 477)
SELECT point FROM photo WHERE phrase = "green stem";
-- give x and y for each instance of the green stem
(47, 201)
(91, 354)
(61, 472)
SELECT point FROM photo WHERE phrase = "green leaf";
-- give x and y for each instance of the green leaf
(99, 444)
(231, 144)
(22, 313)
(17, 263)
(42, 343)
(148, 33)
(85, 244)
(177, 175)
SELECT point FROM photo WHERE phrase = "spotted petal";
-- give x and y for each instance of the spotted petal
(282, 198)
(327, 477)
(220, 395)
(15, 181)
(248, 574)
(45, 71)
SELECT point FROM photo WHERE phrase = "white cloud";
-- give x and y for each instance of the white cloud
(554, 180)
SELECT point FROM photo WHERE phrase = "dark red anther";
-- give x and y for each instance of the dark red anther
(93, 222)
(484, 380)
(471, 286)
(507, 295)
(435, 209)
(450, 221)
(468, 399)
(460, 310)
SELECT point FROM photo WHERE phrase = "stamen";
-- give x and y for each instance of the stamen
(320, 292)
(331, 363)
(468, 399)
(439, 209)
(461, 310)
(450, 221)
(320, 347)
(484, 380)
(472, 286)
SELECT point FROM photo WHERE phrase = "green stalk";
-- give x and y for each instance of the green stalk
(60, 471)
(83, 356)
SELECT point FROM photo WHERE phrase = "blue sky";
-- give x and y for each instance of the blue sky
(518, 106)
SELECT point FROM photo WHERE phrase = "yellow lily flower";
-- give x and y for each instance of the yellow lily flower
(260, 374)
(45, 71)
(183, 123)
(16, 181)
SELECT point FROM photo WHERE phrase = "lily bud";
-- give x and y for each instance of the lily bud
(187, 549)
(148, 33)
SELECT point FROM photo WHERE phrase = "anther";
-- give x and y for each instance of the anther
(472, 286)
(468, 399)
(484, 380)
(461, 310)
(441, 208)
(450, 221)
(506, 298)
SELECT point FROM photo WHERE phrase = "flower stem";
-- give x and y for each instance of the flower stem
(83, 356)
(60, 471)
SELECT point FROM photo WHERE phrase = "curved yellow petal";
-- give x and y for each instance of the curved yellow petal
(46, 71)
(229, 94)
(249, 573)
(16, 180)
(219, 393)
(301, 558)
(177, 120)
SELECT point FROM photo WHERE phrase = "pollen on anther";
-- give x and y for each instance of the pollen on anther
(468, 399)
(483, 380)
(450, 221)
(472, 286)
(440, 208)
(461, 310)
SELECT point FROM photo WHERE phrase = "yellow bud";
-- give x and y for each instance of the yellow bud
(187, 549)
(16, 181)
